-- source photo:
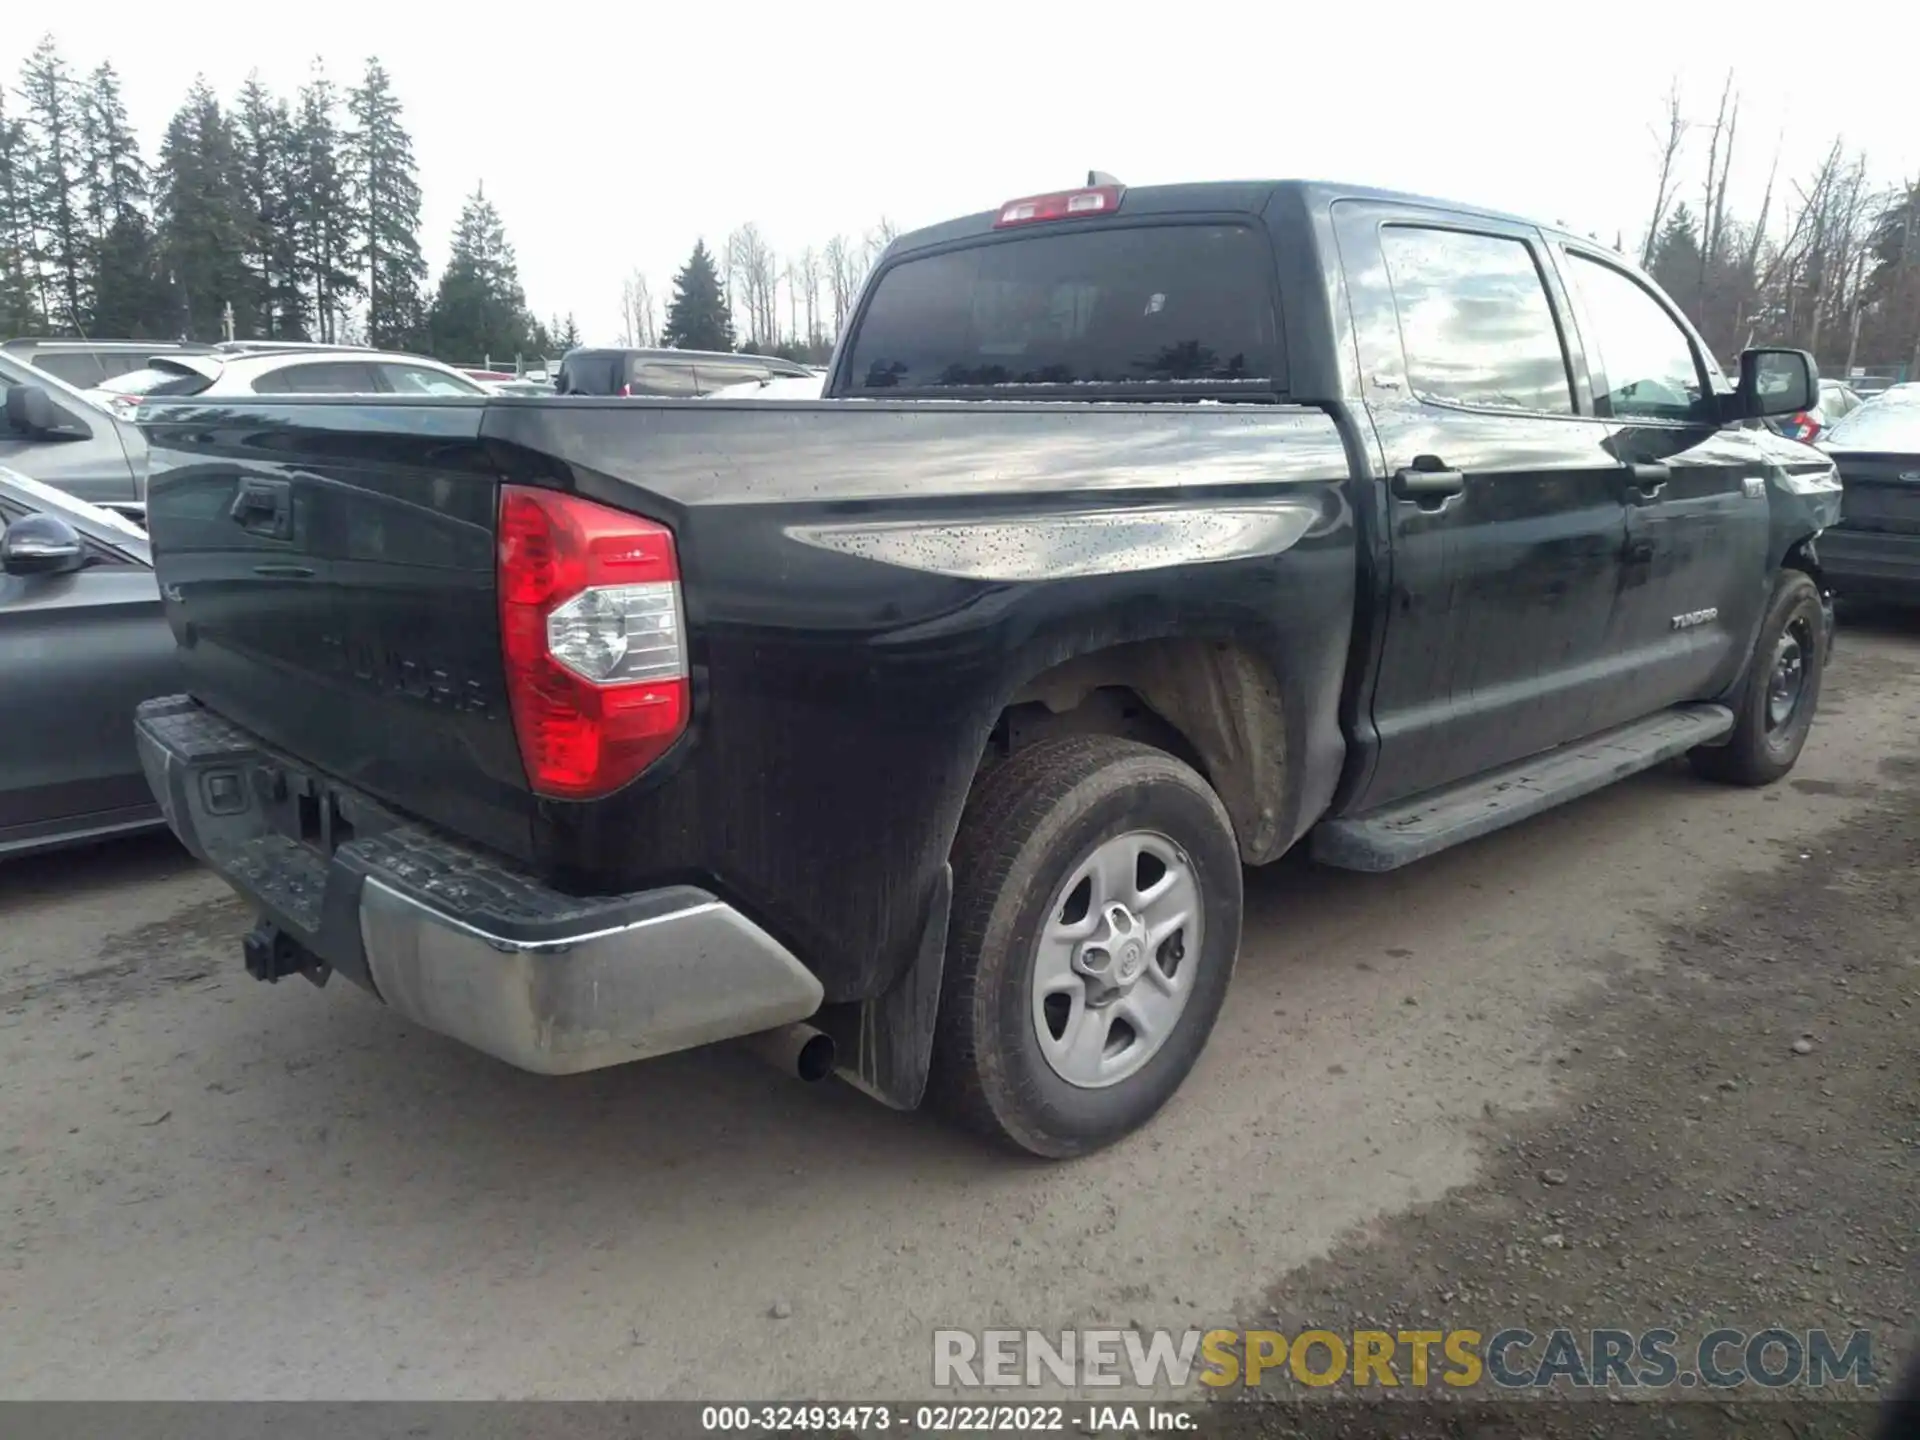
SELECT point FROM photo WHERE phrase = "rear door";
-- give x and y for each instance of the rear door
(1697, 572)
(1504, 514)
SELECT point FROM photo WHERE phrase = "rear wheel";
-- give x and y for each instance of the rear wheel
(1781, 692)
(1096, 918)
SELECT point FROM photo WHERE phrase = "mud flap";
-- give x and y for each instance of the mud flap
(885, 1045)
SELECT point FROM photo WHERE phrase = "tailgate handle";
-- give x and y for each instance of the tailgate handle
(264, 507)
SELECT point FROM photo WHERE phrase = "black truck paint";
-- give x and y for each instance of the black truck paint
(1329, 589)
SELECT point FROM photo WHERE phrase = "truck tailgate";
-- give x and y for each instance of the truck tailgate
(328, 570)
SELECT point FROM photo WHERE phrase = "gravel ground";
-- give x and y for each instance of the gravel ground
(1738, 1143)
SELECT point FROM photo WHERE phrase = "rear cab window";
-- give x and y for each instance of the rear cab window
(1155, 308)
(333, 377)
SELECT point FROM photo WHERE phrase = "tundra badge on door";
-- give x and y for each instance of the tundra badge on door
(1695, 617)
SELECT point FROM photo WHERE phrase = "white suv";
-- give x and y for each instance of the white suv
(283, 370)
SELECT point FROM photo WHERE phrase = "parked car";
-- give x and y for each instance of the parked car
(774, 387)
(670, 374)
(1873, 552)
(521, 386)
(284, 370)
(929, 739)
(85, 364)
(63, 438)
(1836, 402)
(82, 641)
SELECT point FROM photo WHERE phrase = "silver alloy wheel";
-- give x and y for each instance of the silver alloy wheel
(1788, 679)
(1115, 960)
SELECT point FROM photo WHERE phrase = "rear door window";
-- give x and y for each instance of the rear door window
(419, 380)
(652, 377)
(713, 377)
(1475, 322)
(84, 368)
(1140, 305)
(330, 377)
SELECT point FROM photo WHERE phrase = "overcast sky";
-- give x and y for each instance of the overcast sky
(611, 136)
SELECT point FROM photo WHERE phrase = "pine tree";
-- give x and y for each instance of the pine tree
(697, 317)
(1676, 254)
(128, 295)
(325, 236)
(112, 173)
(566, 334)
(384, 190)
(276, 307)
(21, 312)
(54, 188)
(201, 216)
(480, 310)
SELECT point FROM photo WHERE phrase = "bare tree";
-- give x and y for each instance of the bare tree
(843, 277)
(754, 272)
(1676, 134)
(638, 326)
(1713, 212)
(807, 270)
(878, 238)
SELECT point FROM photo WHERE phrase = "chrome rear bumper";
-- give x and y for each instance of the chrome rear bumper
(458, 941)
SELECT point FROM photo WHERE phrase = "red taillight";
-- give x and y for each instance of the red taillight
(1063, 205)
(626, 392)
(591, 632)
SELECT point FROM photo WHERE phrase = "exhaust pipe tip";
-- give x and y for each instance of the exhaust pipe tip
(798, 1051)
(815, 1059)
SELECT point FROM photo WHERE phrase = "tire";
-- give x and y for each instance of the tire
(1762, 747)
(1037, 820)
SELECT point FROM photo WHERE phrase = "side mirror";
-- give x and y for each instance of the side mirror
(1775, 382)
(42, 545)
(32, 413)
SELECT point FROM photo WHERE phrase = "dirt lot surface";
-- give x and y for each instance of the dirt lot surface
(1548, 1079)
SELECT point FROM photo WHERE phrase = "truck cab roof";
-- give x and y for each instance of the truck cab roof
(1250, 197)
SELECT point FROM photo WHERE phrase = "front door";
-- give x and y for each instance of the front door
(1504, 512)
(1697, 571)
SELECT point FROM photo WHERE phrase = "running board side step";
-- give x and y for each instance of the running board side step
(1413, 829)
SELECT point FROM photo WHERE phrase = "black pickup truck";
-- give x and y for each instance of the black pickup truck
(1143, 534)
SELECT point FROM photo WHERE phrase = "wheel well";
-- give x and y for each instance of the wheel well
(1211, 703)
(1800, 556)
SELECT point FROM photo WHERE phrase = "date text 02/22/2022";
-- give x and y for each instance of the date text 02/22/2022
(945, 1419)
